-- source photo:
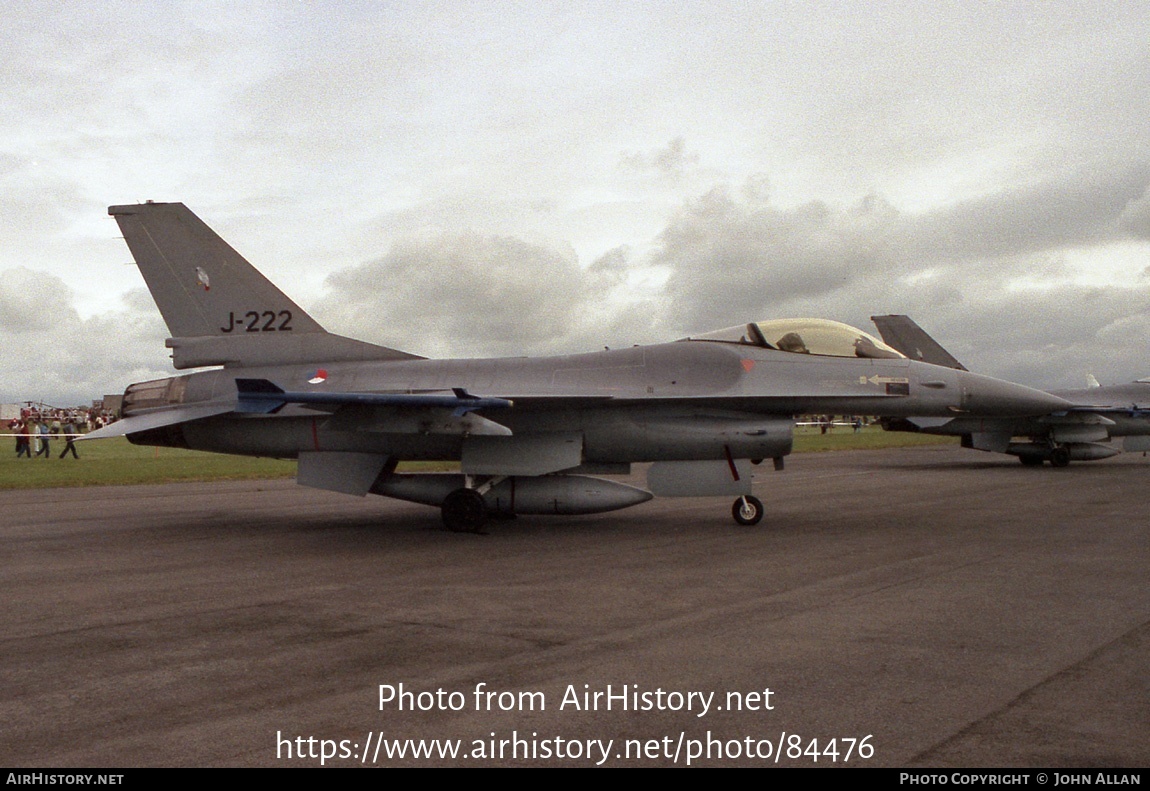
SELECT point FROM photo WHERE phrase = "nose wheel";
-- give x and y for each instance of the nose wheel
(747, 510)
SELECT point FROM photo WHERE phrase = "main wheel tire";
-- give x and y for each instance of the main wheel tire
(464, 511)
(747, 510)
(1060, 456)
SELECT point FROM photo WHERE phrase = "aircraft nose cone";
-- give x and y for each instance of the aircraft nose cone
(985, 395)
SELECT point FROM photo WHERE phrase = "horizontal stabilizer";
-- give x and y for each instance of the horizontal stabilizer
(158, 419)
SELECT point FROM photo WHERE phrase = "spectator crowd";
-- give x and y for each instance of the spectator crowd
(36, 428)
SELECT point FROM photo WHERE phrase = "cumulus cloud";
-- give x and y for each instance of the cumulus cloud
(996, 286)
(1004, 300)
(729, 260)
(51, 353)
(1054, 337)
(32, 302)
(669, 162)
(1081, 207)
(470, 294)
(1135, 217)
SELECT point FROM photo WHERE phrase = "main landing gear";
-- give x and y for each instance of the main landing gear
(464, 511)
(747, 510)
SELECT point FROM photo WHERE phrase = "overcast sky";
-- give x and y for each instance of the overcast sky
(474, 179)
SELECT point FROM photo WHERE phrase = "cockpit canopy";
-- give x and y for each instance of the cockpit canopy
(804, 336)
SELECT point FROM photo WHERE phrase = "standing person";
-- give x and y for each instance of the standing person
(70, 429)
(23, 443)
(45, 447)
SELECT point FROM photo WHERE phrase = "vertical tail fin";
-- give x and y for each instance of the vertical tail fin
(218, 307)
(201, 284)
(902, 333)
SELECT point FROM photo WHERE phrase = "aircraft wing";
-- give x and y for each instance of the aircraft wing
(399, 413)
(902, 333)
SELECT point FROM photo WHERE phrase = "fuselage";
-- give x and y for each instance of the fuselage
(682, 400)
(1113, 410)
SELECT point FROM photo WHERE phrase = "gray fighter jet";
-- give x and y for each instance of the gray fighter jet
(1080, 433)
(529, 434)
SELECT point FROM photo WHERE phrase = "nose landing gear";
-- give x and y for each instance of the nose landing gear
(747, 510)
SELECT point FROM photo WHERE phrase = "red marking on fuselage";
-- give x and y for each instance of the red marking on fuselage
(747, 365)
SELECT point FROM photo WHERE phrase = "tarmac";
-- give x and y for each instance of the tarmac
(929, 607)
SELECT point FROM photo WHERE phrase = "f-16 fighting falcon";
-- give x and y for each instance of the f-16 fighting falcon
(531, 435)
(1081, 433)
